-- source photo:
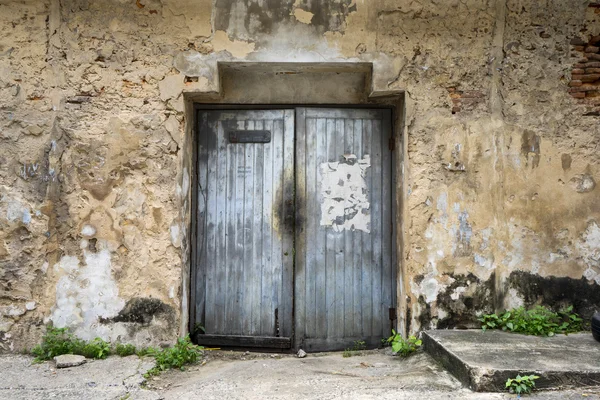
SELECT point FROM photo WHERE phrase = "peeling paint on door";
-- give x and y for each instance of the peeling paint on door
(345, 198)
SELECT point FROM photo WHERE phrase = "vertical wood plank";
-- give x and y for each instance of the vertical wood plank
(387, 219)
(339, 244)
(276, 222)
(220, 259)
(247, 300)
(301, 241)
(257, 239)
(237, 265)
(287, 288)
(376, 234)
(206, 200)
(357, 261)
(320, 236)
(266, 308)
(348, 253)
(311, 227)
(367, 253)
(330, 249)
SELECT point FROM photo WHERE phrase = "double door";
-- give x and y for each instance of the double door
(294, 228)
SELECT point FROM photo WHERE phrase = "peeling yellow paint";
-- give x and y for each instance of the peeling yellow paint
(237, 48)
(357, 38)
(197, 22)
(302, 15)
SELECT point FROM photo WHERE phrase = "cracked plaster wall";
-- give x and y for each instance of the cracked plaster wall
(94, 169)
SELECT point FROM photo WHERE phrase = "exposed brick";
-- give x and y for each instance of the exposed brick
(583, 88)
(579, 95)
(592, 56)
(588, 65)
(455, 109)
(578, 42)
(592, 70)
(578, 71)
(589, 77)
(575, 83)
(579, 48)
(595, 40)
(592, 49)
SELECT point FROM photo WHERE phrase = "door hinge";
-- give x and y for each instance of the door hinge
(393, 314)
(391, 143)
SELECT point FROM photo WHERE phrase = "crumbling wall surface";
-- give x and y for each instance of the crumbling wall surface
(551, 204)
(26, 176)
(91, 183)
(505, 211)
(501, 159)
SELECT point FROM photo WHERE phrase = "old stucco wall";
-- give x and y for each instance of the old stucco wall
(500, 200)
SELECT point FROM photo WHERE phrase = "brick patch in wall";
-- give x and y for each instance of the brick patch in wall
(585, 75)
(464, 99)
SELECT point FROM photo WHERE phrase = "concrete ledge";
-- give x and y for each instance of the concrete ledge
(483, 361)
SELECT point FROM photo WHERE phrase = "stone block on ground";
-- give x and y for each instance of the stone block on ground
(483, 361)
(68, 360)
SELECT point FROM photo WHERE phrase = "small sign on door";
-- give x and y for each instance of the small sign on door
(250, 136)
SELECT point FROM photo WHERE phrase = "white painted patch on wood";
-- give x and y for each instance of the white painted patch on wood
(344, 192)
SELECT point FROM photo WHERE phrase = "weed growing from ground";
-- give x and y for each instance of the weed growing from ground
(403, 347)
(58, 341)
(521, 384)
(356, 349)
(184, 352)
(539, 321)
(96, 348)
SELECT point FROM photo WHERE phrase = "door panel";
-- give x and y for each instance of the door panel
(344, 280)
(244, 279)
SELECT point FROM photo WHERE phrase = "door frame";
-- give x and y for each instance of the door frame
(397, 147)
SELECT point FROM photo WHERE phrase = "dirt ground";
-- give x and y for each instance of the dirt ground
(243, 375)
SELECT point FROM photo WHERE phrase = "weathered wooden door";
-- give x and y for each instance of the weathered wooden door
(294, 228)
(244, 279)
(344, 279)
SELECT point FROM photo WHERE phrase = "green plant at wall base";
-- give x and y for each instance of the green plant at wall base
(197, 329)
(96, 348)
(356, 349)
(125, 350)
(146, 351)
(57, 341)
(521, 384)
(539, 321)
(184, 352)
(404, 347)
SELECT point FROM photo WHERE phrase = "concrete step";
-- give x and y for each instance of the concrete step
(483, 361)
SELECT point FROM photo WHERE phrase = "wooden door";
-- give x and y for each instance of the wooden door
(344, 278)
(244, 258)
